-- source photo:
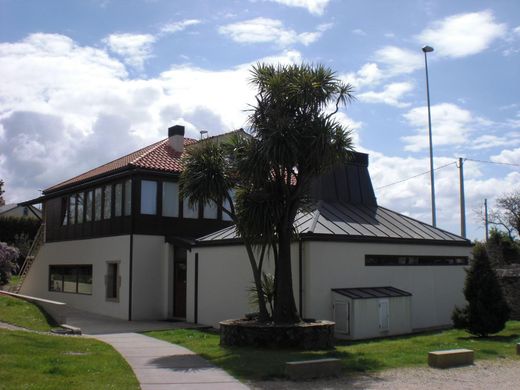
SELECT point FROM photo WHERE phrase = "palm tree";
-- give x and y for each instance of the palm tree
(296, 138)
(210, 175)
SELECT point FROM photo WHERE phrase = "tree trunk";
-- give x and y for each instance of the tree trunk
(257, 275)
(285, 311)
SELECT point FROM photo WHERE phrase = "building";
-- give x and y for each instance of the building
(120, 241)
(373, 271)
(16, 211)
(116, 236)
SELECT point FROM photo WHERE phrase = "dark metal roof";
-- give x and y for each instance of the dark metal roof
(371, 292)
(341, 221)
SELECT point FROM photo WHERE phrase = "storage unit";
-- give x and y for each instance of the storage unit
(368, 312)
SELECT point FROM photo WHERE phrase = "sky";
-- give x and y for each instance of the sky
(84, 82)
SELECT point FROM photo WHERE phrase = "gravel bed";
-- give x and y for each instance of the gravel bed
(503, 374)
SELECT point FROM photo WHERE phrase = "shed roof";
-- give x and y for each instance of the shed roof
(371, 292)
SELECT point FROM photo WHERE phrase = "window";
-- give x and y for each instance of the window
(118, 201)
(64, 211)
(226, 205)
(97, 204)
(88, 206)
(128, 197)
(148, 197)
(112, 281)
(170, 199)
(210, 210)
(72, 209)
(75, 279)
(107, 201)
(25, 212)
(396, 260)
(189, 212)
(80, 201)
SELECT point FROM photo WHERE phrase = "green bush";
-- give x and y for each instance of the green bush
(487, 311)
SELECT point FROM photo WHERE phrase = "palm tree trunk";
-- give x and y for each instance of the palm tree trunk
(257, 276)
(285, 311)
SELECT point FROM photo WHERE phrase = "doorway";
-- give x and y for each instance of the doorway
(179, 282)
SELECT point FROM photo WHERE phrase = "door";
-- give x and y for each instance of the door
(342, 316)
(179, 282)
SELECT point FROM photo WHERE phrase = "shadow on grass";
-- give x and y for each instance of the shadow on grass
(50, 320)
(496, 338)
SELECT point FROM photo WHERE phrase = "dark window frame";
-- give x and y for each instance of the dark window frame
(76, 268)
(414, 261)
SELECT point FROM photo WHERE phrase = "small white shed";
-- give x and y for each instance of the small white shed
(369, 312)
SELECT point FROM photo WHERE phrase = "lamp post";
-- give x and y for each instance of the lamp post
(429, 49)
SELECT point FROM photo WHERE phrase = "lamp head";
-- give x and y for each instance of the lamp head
(427, 49)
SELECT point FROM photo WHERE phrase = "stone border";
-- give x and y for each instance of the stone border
(304, 335)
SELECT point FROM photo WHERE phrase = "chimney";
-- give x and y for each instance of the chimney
(176, 138)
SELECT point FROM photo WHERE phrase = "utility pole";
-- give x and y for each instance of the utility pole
(462, 198)
(486, 219)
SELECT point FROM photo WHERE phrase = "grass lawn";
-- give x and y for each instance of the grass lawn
(360, 356)
(22, 313)
(36, 361)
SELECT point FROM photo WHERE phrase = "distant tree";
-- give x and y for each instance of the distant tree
(2, 201)
(487, 311)
(8, 256)
(506, 214)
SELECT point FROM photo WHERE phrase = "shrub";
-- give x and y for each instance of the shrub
(8, 256)
(487, 311)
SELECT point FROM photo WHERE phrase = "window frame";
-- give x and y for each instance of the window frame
(415, 261)
(76, 268)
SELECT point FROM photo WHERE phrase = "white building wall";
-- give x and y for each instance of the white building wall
(150, 278)
(224, 275)
(96, 251)
(435, 289)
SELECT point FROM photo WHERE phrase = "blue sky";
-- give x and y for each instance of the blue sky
(84, 82)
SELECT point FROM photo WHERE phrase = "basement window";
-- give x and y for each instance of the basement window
(76, 279)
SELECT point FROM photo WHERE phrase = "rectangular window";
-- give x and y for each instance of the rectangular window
(80, 200)
(148, 197)
(396, 260)
(64, 211)
(72, 209)
(128, 197)
(190, 212)
(107, 202)
(170, 199)
(112, 281)
(97, 204)
(210, 210)
(226, 205)
(88, 206)
(76, 279)
(118, 201)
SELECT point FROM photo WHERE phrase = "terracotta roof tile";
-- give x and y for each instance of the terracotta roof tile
(158, 156)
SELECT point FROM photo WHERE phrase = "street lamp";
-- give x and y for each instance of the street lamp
(429, 49)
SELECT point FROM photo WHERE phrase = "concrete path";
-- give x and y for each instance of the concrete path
(160, 365)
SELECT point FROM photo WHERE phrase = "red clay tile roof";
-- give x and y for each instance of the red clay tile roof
(158, 156)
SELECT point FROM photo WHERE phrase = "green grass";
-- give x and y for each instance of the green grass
(361, 356)
(25, 314)
(36, 361)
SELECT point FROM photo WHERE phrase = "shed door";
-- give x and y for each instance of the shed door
(384, 314)
(342, 316)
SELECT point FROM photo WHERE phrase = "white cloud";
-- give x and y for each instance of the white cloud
(451, 125)
(359, 32)
(66, 108)
(316, 7)
(398, 60)
(368, 75)
(265, 30)
(463, 34)
(391, 95)
(488, 141)
(174, 27)
(352, 125)
(511, 156)
(134, 48)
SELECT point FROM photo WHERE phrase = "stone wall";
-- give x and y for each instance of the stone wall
(509, 278)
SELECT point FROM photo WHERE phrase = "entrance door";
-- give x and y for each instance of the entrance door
(179, 282)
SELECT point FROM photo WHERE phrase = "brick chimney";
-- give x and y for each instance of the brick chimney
(176, 138)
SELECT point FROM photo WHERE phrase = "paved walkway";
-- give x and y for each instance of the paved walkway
(160, 365)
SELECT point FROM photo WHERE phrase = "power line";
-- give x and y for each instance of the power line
(492, 162)
(419, 174)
